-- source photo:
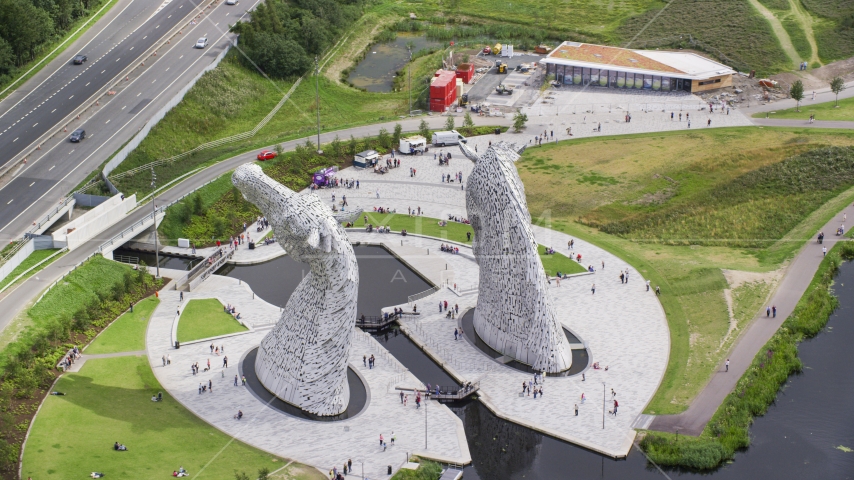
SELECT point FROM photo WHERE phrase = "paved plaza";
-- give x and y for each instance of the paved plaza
(320, 444)
(623, 326)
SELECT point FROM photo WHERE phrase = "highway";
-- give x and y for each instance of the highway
(116, 46)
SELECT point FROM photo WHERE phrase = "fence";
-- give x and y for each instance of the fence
(424, 294)
(211, 269)
(122, 154)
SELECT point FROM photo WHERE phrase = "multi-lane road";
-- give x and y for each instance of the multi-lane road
(117, 46)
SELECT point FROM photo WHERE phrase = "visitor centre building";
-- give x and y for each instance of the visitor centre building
(574, 63)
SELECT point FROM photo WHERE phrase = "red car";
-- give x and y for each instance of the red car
(266, 155)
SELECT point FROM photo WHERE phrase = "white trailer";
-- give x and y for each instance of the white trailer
(448, 137)
(412, 145)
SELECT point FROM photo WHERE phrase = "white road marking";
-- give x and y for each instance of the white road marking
(10, 201)
(167, 69)
(36, 124)
(72, 151)
(15, 140)
(87, 84)
(51, 168)
(131, 48)
(71, 97)
(124, 107)
(32, 184)
(138, 94)
(53, 110)
(104, 71)
(106, 122)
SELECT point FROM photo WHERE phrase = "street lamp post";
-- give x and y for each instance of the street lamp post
(154, 220)
(317, 100)
(603, 406)
(410, 79)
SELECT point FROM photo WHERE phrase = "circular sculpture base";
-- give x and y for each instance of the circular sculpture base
(580, 357)
(358, 393)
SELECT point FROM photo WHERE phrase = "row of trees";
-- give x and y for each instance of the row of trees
(837, 85)
(283, 37)
(27, 26)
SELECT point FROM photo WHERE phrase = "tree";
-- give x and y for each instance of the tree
(467, 121)
(836, 86)
(353, 146)
(398, 132)
(277, 56)
(519, 120)
(384, 139)
(797, 92)
(424, 129)
(335, 147)
(449, 123)
(278, 148)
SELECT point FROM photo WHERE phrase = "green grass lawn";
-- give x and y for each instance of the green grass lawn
(204, 319)
(34, 258)
(558, 262)
(427, 470)
(109, 401)
(453, 231)
(672, 184)
(822, 111)
(126, 333)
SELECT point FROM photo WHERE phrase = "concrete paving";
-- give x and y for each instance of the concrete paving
(623, 326)
(320, 444)
(243, 256)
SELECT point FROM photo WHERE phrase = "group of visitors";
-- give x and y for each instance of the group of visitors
(335, 183)
(532, 386)
(458, 333)
(444, 158)
(368, 361)
(261, 223)
(380, 229)
(232, 310)
(205, 388)
(335, 474)
(459, 219)
(449, 249)
(382, 210)
(158, 397)
(414, 211)
(457, 177)
(70, 357)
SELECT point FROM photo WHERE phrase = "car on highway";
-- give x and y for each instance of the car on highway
(231, 2)
(267, 155)
(202, 42)
(77, 135)
(79, 59)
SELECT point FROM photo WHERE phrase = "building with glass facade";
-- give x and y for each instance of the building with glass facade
(574, 63)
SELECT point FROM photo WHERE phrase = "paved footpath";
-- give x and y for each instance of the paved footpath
(320, 444)
(244, 255)
(798, 276)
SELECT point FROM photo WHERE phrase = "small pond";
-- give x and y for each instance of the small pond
(375, 73)
(383, 280)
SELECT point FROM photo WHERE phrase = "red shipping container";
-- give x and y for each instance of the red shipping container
(465, 71)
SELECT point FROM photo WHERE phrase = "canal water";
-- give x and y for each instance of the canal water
(804, 435)
(375, 73)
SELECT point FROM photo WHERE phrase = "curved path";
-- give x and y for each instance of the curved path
(798, 276)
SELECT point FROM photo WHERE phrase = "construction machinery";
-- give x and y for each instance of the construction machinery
(464, 100)
(501, 67)
(502, 90)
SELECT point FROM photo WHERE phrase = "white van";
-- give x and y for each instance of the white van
(448, 137)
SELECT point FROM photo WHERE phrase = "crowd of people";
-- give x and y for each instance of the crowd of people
(449, 249)
(232, 310)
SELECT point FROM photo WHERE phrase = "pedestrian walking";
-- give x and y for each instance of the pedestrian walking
(244, 380)
(365, 360)
(824, 251)
(235, 380)
(378, 193)
(576, 409)
(225, 362)
(726, 365)
(647, 285)
(401, 397)
(593, 289)
(774, 311)
(616, 404)
(768, 311)
(657, 290)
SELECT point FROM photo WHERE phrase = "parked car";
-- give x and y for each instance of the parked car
(267, 155)
(79, 59)
(202, 42)
(77, 135)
